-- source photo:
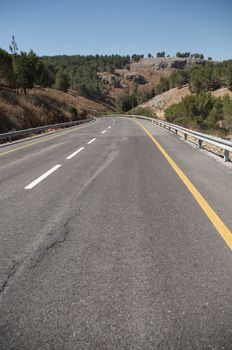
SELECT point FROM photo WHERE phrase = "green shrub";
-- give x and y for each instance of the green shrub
(145, 111)
(200, 111)
(73, 111)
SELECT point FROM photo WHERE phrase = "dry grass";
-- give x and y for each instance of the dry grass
(40, 107)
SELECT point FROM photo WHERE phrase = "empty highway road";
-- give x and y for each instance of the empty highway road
(114, 235)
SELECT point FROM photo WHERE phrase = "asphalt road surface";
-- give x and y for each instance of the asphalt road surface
(103, 246)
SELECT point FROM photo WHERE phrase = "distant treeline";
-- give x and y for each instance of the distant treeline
(22, 70)
(180, 55)
(207, 77)
(191, 55)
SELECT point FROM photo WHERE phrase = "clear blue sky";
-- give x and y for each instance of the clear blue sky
(122, 26)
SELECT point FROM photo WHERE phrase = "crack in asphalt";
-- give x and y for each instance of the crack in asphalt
(10, 274)
(38, 255)
(60, 239)
(32, 259)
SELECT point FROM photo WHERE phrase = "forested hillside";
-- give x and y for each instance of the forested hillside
(201, 111)
(114, 82)
(79, 73)
(188, 96)
(207, 77)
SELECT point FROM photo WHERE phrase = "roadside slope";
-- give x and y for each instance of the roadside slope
(43, 106)
(160, 103)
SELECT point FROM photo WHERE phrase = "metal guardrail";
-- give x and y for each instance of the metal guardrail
(15, 134)
(224, 144)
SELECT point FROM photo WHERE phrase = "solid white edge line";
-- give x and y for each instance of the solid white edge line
(91, 141)
(42, 177)
(103, 132)
(74, 153)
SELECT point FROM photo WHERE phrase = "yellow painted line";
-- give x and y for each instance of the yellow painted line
(222, 229)
(40, 141)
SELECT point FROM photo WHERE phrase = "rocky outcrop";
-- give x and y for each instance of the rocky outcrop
(113, 80)
(136, 78)
(117, 80)
(178, 64)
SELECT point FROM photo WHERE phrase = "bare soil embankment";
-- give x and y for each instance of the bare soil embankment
(41, 107)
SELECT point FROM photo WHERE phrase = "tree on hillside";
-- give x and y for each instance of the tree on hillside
(227, 109)
(160, 54)
(228, 75)
(13, 47)
(183, 54)
(215, 114)
(163, 85)
(6, 68)
(136, 57)
(178, 78)
(124, 102)
(25, 67)
(197, 55)
(62, 81)
(45, 75)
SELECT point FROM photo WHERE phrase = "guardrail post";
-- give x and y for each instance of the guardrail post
(226, 152)
(200, 143)
(226, 155)
(176, 131)
(185, 136)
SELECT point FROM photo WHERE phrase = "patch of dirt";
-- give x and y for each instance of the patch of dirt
(222, 92)
(159, 103)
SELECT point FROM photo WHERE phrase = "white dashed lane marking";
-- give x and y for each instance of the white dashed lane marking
(49, 172)
(91, 141)
(42, 177)
(73, 154)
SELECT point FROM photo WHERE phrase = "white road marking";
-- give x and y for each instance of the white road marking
(73, 154)
(103, 132)
(91, 141)
(42, 177)
(109, 127)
